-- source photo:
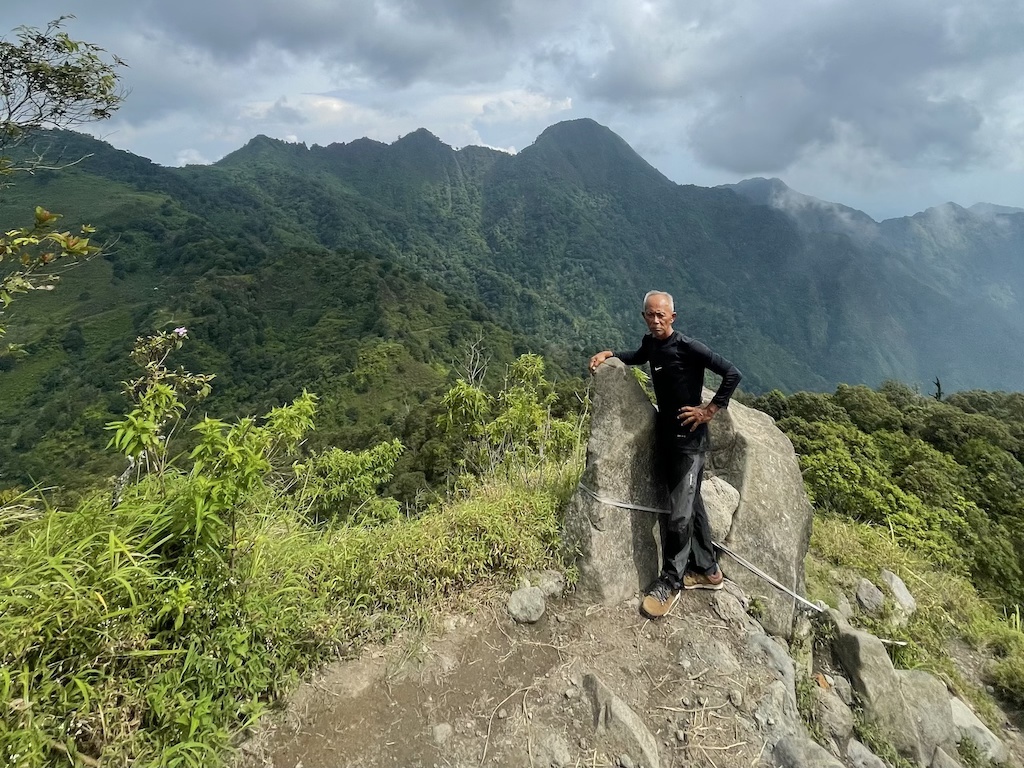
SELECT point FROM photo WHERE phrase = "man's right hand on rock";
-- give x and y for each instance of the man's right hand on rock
(599, 358)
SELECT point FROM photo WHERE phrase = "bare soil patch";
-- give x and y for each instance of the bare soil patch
(486, 691)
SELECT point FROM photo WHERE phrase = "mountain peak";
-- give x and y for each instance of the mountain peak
(991, 210)
(761, 190)
(588, 150)
(419, 138)
(582, 129)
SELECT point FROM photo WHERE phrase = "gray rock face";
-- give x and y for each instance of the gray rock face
(801, 752)
(870, 597)
(943, 760)
(526, 605)
(614, 720)
(928, 704)
(721, 501)
(968, 726)
(862, 757)
(905, 603)
(834, 716)
(772, 524)
(617, 548)
(753, 485)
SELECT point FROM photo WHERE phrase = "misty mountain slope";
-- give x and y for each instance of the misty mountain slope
(955, 277)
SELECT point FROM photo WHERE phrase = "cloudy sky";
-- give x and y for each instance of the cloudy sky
(890, 106)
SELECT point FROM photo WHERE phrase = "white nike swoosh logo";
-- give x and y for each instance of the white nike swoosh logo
(659, 367)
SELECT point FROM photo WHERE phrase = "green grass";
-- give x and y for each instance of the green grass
(105, 653)
(948, 607)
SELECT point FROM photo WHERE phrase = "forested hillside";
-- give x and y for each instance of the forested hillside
(298, 266)
(946, 477)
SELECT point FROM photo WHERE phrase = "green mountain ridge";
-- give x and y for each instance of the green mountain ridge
(279, 256)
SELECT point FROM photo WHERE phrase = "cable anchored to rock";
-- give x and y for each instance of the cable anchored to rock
(746, 564)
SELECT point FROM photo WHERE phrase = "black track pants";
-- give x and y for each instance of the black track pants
(685, 532)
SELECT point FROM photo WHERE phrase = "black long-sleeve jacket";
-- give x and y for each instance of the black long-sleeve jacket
(677, 373)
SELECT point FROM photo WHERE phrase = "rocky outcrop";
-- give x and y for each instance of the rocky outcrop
(910, 708)
(772, 523)
(617, 549)
(753, 490)
(968, 726)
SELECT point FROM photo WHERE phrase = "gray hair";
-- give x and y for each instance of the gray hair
(671, 301)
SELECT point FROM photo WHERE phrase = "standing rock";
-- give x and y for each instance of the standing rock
(968, 726)
(526, 605)
(617, 548)
(772, 524)
(870, 597)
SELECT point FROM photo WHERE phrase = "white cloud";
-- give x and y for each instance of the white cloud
(191, 157)
(863, 101)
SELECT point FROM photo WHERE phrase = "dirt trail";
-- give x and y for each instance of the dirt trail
(486, 691)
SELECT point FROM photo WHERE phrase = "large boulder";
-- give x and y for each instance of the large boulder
(911, 708)
(772, 524)
(753, 478)
(617, 549)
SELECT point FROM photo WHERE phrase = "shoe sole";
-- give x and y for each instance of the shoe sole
(655, 617)
(714, 587)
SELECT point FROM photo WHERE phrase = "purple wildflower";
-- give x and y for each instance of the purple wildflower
(180, 331)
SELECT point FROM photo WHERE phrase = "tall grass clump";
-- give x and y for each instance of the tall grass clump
(152, 630)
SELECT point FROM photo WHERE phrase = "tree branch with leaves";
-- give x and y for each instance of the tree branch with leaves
(47, 81)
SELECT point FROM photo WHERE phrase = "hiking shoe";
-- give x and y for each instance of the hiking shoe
(660, 598)
(694, 580)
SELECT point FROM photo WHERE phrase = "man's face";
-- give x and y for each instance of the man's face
(659, 317)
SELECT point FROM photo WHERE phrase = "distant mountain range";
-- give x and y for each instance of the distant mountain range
(290, 262)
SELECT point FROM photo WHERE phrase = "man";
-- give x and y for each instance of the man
(681, 443)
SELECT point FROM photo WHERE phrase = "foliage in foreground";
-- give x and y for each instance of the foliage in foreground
(931, 490)
(949, 607)
(152, 632)
(944, 477)
(48, 80)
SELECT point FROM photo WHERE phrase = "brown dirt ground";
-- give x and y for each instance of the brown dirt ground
(512, 694)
